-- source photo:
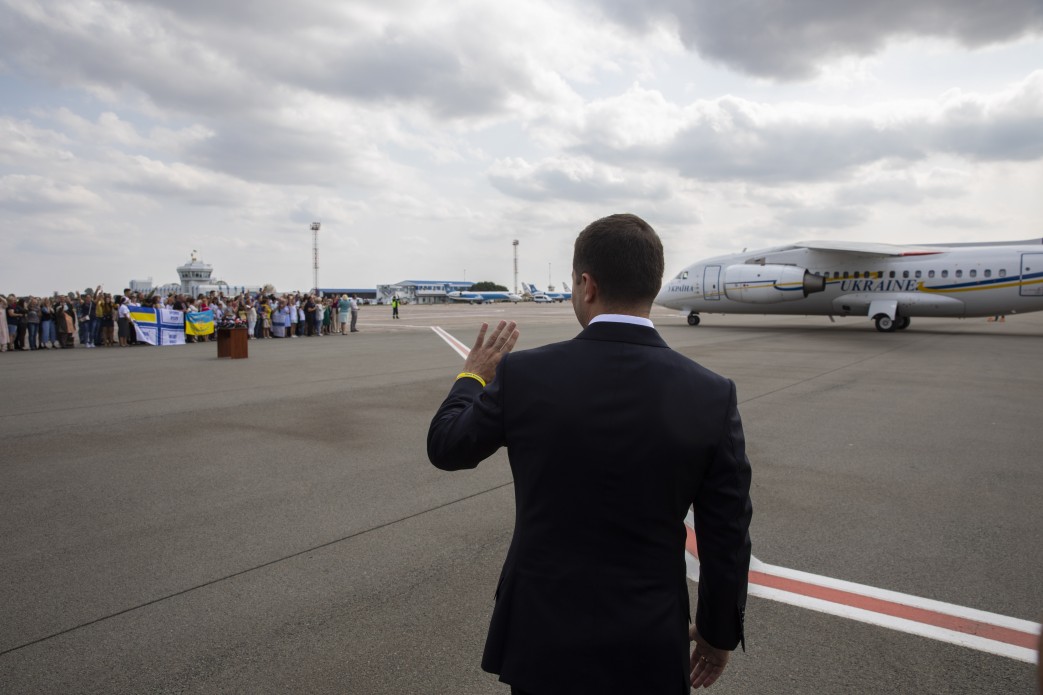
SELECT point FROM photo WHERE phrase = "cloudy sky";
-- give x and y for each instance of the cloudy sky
(426, 136)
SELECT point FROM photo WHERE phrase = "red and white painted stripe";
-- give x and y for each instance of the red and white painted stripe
(460, 348)
(946, 622)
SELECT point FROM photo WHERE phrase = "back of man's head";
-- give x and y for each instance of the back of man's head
(624, 256)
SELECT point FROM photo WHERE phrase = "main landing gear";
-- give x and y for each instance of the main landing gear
(693, 319)
(886, 324)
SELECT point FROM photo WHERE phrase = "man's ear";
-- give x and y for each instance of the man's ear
(590, 288)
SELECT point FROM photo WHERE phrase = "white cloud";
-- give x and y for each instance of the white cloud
(28, 146)
(574, 178)
(793, 39)
(30, 194)
(732, 139)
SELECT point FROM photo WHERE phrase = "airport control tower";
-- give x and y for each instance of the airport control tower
(194, 275)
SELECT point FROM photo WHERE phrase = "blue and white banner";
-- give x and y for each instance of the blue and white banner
(171, 327)
(162, 327)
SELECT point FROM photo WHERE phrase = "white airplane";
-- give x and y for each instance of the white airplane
(888, 283)
(538, 294)
(482, 297)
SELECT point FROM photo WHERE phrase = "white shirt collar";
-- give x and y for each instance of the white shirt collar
(622, 318)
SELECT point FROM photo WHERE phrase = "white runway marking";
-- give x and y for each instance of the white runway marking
(460, 348)
(946, 622)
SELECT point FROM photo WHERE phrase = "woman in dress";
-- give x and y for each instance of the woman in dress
(251, 319)
(344, 309)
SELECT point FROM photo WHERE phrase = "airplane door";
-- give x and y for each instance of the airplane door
(712, 282)
(1032, 275)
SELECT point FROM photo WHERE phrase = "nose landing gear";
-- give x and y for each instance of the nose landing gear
(693, 319)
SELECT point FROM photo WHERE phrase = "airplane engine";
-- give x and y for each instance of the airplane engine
(770, 284)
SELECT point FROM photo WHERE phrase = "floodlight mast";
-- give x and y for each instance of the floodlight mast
(515, 244)
(315, 252)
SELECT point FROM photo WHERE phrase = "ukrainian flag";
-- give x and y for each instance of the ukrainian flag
(199, 322)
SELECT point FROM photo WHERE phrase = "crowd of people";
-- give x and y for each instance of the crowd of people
(98, 319)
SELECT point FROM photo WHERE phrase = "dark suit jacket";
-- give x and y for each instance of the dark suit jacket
(611, 436)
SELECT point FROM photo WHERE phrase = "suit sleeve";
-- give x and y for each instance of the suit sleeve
(722, 513)
(468, 426)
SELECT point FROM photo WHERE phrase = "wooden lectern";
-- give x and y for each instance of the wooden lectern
(231, 342)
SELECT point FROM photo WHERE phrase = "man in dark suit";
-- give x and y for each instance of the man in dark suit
(611, 437)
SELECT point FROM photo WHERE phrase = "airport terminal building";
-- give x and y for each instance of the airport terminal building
(422, 291)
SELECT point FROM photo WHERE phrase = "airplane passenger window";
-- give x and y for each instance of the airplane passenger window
(945, 273)
(973, 273)
(892, 274)
(845, 275)
(959, 273)
(988, 273)
(856, 275)
(930, 273)
(905, 274)
(919, 274)
(1003, 273)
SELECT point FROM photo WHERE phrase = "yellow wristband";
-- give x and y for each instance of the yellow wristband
(471, 375)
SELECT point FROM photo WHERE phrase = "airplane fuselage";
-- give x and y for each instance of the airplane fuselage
(864, 280)
(483, 297)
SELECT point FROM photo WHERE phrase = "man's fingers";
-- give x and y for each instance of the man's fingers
(512, 339)
(705, 675)
(481, 336)
(505, 335)
(491, 343)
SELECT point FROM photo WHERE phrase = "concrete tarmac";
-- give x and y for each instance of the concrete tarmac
(175, 523)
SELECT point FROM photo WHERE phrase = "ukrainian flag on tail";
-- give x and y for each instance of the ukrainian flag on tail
(199, 322)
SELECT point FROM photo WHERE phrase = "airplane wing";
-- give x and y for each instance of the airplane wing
(865, 248)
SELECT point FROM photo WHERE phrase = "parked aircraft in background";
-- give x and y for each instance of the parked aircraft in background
(552, 296)
(483, 297)
(888, 283)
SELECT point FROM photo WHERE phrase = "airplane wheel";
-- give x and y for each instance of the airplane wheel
(693, 319)
(885, 324)
(903, 322)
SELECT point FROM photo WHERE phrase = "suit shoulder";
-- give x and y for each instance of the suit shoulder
(536, 355)
(693, 370)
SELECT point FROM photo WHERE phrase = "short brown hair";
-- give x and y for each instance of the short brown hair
(624, 255)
